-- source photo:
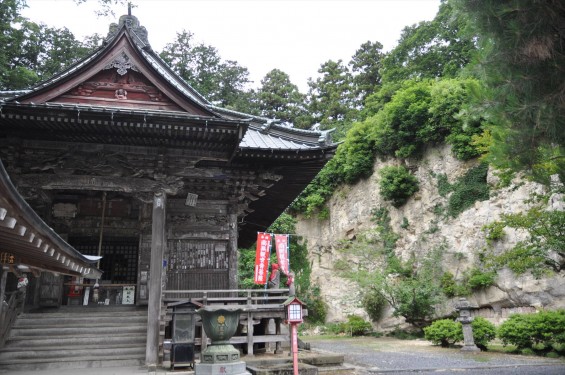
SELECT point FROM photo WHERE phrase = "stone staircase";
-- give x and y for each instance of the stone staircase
(77, 337)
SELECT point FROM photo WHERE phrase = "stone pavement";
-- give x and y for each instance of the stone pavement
(367, 356)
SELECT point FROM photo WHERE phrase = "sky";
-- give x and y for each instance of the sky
(295, 36)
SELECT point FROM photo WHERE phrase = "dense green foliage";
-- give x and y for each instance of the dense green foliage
(397, 184)
(467, 190)
(521, 65)
(483, 332)
(479, 279)
(451, 288)
(32, 52)
(374, 304)
(444, 332)
(418, 114)
(221, 82)
(541, 333)
(355, 326)
(279, 98)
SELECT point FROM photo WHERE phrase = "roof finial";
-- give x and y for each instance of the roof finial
(129, 8)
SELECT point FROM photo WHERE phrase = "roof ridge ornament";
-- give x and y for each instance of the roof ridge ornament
(132, 25)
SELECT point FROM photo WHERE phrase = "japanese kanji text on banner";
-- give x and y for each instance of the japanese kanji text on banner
(262, 257)
(281, 243)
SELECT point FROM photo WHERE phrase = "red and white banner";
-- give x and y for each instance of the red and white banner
(281, 243)
(262, 253)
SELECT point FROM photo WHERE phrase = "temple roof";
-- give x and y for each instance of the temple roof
(28, 244)
(128, 51)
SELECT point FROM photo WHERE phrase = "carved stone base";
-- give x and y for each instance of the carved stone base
(235, 368)
(220, 354)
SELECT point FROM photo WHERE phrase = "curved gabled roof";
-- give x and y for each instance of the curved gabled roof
(127, 48)
(32, 243)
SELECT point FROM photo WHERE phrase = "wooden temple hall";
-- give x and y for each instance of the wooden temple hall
(119, 158)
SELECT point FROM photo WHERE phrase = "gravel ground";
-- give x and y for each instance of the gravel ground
(393, 356)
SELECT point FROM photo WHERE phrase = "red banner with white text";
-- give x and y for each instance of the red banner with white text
(262, 253)
(281, 243)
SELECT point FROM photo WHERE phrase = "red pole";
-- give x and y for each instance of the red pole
(294, 347)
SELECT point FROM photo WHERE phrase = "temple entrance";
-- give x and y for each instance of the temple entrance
(119, 264)
(119, 257)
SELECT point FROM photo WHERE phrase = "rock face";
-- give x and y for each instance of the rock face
(422, 226)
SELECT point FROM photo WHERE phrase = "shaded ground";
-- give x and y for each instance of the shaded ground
(388, 355)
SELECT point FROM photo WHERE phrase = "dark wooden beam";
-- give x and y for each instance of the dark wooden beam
(158, 243)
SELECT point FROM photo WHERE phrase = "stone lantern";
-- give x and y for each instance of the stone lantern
(466, 319)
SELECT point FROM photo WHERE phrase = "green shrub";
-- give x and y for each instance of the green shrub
(468, 189)
(494, 231)
(444, 332)
(479, 279)
(483, 332)
(357, 326)
(317, 309)
(374, 304)
(450, 287)
(397, 184)
(542, 332)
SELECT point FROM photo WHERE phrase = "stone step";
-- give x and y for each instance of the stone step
(23, 342)
(84, 330)
(71, 363)
(56, 353)
(76, 321)
(76, 337)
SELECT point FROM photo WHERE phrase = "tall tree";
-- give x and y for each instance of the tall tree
(279, 98)
(31, 51)
(523, 65)
(366, 65)
(430, 49)
(221, 82)
(331, 98)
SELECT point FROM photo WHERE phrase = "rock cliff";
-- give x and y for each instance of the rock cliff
(422, 225)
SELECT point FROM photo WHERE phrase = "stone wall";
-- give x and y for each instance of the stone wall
(350, 213)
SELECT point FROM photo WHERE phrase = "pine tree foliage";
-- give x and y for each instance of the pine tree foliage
(522, 64)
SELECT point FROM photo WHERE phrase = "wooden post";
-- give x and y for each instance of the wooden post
(233, 233)
(204, 337)
(2, 289)
(250, 334)
(158, 243)
(278, 347)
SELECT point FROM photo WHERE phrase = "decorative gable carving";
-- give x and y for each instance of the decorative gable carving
(122, 63)
(119, 85)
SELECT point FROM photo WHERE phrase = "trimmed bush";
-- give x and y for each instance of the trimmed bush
(541, 333)
(444, 332)
(483, 332)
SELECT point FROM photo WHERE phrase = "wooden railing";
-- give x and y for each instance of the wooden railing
(229, 296)
(257, 305)
(8, 313)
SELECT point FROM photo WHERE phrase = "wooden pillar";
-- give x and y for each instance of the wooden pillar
(233, 234)
(250, 334)
(158, 243)
(278, 347)
(2, 289)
